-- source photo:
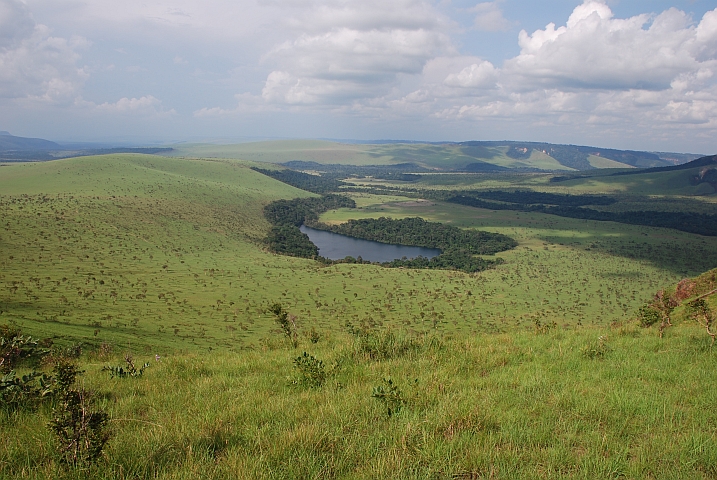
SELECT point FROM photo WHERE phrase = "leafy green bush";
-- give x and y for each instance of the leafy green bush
(312, 371)
(647, 315)
(14, 346)
(390, 395)
(81, 431)
(23, 392)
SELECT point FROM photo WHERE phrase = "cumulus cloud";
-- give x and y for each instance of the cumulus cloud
(34, 64)
(477, 75)
(355, 50)
(489, 17)
(595, 50)
(655, 74)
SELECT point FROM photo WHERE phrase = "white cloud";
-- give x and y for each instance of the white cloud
(595, 50)
(477, 75)
(356, 50)
(147, 105)
(489, 17)
(34, 64)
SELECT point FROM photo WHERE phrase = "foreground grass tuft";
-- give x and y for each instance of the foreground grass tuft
(502, 406)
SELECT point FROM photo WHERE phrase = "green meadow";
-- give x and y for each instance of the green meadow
(533, 369)
(439, 156)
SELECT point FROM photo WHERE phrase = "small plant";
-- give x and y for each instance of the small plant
(390, 395)
(596, 349)
(14, 347)
(314, 336)
(312, 371)
(648, 316)
(130, 370)
(81, 431)
(286, 322)
(22, 392)
(544, 328)
(701, 312)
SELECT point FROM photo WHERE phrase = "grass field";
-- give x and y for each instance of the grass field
(150, 255)
(448, 156)
(166, 254)
(508, 406)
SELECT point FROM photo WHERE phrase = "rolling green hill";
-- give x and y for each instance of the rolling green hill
(150, 251)
(536, 368)
(465, 156)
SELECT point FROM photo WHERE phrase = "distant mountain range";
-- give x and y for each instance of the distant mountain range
(12, 143)
(23, 149)
(473, 156)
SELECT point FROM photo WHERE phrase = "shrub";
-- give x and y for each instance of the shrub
(80, 430)
(130, 370)
(390, 395)
(23, 392)
(286, 322)
(648, 316)
(312, 372)
(701, 312)
(14, 347)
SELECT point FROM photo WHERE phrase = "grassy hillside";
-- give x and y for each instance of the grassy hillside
(436, 156)
(166, 254)
(534, 369)
(565, 403)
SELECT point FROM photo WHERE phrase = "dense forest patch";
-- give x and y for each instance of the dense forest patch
(459, 247)
(311, 183)
(417, 232)
(287, 216)
(691, 222)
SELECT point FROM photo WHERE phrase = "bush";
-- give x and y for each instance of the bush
(286, 322)
(390, 395)
(312, 372)
(648, 316)
(130, 370)
(80, 430)
(14, 346)
(23, 392)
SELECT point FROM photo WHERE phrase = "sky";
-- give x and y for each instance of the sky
(639, 74)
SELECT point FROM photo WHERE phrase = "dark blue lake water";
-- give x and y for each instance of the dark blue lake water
(337, 247)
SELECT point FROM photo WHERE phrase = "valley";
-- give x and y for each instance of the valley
(539, 358)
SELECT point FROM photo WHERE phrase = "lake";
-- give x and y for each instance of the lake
(337, 247)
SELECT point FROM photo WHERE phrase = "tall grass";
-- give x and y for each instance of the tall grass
(501, 406)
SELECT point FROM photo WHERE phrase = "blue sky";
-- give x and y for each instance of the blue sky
(625, 74)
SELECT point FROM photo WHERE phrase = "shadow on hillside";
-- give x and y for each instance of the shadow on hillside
(665, 251)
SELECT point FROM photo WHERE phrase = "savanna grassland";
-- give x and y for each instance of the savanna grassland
(536, 368)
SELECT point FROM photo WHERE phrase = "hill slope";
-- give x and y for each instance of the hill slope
(698, 177)
(13, 143)
(466, 156)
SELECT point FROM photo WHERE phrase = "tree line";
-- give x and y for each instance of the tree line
(458, 247)
(417, 232)
(690, 222)
(286, 216)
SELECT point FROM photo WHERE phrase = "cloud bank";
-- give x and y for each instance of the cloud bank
(413, 65)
